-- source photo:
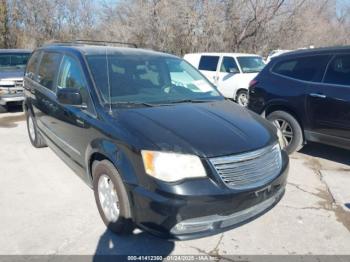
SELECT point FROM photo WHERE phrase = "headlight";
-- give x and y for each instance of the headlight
(172, 167)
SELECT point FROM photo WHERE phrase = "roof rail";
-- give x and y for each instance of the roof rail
(92, 42)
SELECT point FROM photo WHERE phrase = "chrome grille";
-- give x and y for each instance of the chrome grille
(249, 170)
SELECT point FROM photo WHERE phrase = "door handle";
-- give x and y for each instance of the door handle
(318, 95)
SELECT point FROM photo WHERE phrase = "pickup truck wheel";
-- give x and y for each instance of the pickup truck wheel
(242, 98)
(111, 198)
(34, 136)
(3, 109)
(290, 128)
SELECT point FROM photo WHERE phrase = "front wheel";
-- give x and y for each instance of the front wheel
(111, 198)
(242, 98)
(290, 129)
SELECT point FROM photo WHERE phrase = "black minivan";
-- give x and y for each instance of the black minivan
(306, 94)
(161, 148)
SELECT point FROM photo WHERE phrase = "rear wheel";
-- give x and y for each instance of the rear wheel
(111, 198)
(242, 98)
(34, 136)
(292, 134)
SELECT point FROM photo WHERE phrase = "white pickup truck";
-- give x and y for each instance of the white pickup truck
(230, 72)
(12, 66)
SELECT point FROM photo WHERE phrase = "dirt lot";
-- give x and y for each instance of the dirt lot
(46, 209)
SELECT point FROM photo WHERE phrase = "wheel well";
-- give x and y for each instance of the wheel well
(96, 157)
(239, 90)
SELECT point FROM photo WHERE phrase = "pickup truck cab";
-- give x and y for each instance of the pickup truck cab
(161, 148)
(12, 66)
(230, 72)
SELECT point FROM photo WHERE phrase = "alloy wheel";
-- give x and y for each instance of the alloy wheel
(242, 99)
(31, 128)
(108, 198)
(286, 131)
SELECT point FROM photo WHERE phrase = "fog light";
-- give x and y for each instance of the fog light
(187, 228)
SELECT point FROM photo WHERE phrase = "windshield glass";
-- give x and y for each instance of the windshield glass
(12, 61)
(148, 79)
(251, 64)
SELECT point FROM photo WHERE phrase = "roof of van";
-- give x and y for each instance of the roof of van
(88, 49)
(223, 54)
(6, 51)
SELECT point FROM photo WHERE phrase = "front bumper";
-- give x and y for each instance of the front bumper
(202, 208)
(6, 98)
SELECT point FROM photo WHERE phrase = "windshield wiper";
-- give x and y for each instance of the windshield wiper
(190, 101)
(127, 103)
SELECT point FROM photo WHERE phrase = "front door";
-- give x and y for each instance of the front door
(208, 65)
(334, 117)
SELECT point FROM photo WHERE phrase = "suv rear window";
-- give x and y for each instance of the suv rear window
(338, 71)
(208, 63)
(309, 68)
(49, 65)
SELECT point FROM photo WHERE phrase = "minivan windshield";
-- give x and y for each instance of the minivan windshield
(251, 64)
(13, 61)
(137, 79)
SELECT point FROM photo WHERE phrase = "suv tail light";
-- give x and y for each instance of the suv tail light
(253, 83)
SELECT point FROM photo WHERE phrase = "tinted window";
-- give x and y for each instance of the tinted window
(71, 76)
(47, 71)
(229, 65)
(208, 63)
(339, 71)
(304, 68)
(32, 65)
(14, 60)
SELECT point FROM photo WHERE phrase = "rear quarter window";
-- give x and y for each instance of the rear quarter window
(309, 68)
(208, 63)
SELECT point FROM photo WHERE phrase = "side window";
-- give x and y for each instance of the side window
(71, 76)
(49, 65)
(229, 65)
(304, 68)
(338, 71)
(32, 65)
(208, 63)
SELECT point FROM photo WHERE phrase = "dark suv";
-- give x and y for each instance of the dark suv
(306, 94)
(162, 149)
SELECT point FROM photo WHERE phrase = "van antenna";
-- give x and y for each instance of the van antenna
(109, 84)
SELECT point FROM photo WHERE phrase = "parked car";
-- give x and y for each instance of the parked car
(161, 148)
(306, 94)
(12, 66)
(230, 72)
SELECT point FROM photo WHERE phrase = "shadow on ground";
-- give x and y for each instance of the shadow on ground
(140, 243)
(327, 152)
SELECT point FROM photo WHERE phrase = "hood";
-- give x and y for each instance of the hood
(205, 129)
(12, 73)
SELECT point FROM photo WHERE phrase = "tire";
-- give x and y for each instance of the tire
(242, 98)
(3, 109)
(34, 136)
(121, 224)
(290, 128)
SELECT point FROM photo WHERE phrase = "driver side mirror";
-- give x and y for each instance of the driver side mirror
(70, 96)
